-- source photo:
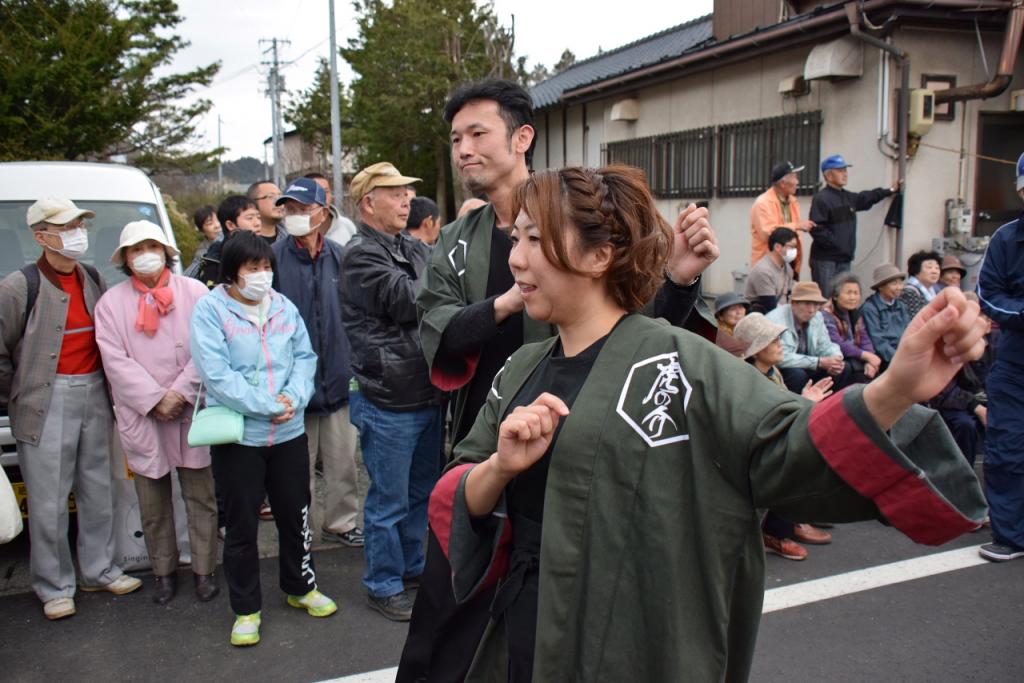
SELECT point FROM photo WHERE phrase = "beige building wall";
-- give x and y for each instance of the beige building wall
(749, 90)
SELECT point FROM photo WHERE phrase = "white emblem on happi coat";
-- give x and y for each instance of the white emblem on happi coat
(655, 395)
(457, 257)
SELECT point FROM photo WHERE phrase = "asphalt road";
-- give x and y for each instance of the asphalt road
(959, 625)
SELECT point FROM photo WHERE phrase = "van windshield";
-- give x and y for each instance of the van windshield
(18, 248)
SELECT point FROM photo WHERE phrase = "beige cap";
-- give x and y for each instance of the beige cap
(807, 291)
(381, 174)
(757, 332)
(140, 231)
(884, 273)
(55, 211)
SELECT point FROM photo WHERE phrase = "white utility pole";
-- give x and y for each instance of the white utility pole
(275, 85)
(339, 188)
(220, 160)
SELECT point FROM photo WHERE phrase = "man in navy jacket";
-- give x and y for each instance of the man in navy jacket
(1001, 290)
(309, 273)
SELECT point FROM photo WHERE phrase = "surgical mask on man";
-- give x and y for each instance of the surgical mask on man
(148, 263)
(76, 242)
(790, 255)
(298, 225)
(257, 285)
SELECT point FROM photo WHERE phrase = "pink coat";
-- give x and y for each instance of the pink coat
(141, 369)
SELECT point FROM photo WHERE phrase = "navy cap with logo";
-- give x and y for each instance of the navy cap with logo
(1020, 173)
(304, 191)
(780, 171)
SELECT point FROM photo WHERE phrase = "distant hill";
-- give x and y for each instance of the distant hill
(245, 170)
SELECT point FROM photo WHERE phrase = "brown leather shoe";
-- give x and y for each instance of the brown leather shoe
(805, 533)
(164, 588)
(791, 550)
(206, 587)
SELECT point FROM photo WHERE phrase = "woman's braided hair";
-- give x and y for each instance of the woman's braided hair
(611, 205)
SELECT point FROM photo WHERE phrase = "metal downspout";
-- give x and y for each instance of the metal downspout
(1007, 61)
(902, 110)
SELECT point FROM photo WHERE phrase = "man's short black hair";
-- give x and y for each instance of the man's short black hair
(514, 104)
(917, 259)
(254, 188)
(242, 248)
(315, 176)
(420, 208)
(202, 215)
(231, 208)
(780, 236)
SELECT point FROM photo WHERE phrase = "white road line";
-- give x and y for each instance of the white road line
(872, 577)
(807, 592)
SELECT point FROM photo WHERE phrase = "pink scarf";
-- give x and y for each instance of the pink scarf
(153, 303)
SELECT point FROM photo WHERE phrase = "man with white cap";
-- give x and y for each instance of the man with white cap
(52, 381)
(142, 329)
(393, 403)
(1001, 290)
(308, 273)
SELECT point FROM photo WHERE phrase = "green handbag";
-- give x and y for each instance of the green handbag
(214, 425)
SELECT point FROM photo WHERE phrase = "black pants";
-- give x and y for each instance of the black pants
(443, 637)
(796, 378)
(777, 526)
(246, 475)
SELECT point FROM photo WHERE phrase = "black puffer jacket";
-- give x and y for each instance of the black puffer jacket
(380, 277)
(834, 213)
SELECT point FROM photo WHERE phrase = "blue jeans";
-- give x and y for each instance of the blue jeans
(822, 272)
(400, 451)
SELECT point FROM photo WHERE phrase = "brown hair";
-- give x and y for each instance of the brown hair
(610, 205)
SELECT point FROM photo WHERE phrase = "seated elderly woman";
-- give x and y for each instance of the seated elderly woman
(613, 479)
(142, 329)
(846, 328)
(925, 269)
(885, 314)
(729, 310)
(763, 341)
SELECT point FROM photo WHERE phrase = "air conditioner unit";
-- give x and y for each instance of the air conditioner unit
(835, 61)
(626, 110)
(794, 86)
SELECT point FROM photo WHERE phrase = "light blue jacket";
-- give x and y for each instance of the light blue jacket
(819, 344)
(226, 348)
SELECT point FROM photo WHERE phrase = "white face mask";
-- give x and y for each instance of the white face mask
(257, 285)
(790, 255)
(299, 225)
(75, 241)
(148, 263)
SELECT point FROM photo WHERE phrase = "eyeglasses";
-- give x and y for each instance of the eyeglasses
(71, 225)
(268, 196)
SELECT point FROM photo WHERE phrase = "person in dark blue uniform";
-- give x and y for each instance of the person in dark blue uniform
(1001, 290)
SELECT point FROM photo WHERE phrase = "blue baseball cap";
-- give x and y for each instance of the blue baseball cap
(1020, 173)
(304, 191)
(834, 161)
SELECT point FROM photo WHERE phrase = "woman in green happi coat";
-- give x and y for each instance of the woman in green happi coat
(612, 481)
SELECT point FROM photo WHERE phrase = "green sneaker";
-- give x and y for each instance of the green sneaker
(314, 602)
(246, 630)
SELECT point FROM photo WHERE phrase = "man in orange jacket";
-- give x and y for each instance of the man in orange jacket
(778, 207)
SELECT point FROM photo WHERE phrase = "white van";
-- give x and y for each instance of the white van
(118, 194)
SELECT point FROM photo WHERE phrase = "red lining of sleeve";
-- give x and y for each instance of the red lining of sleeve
(906, 499)
(442, 501)
(448, 381)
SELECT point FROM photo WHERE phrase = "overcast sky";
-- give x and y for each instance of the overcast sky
(231, 32)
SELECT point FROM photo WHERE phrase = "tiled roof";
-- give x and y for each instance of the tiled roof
(668, 44)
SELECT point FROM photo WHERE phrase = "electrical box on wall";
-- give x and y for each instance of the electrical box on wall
(922, 111)
(959, 218)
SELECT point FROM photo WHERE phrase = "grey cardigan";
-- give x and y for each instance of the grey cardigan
(29, 355)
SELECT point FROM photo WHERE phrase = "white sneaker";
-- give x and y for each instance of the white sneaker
(58, 608)
(122, 585)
